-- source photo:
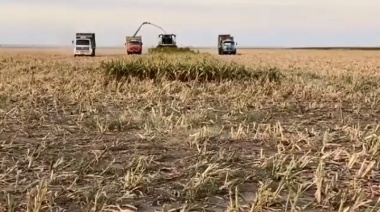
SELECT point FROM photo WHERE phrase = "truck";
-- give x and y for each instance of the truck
(84, 44)
(226, 44)
(133, 44)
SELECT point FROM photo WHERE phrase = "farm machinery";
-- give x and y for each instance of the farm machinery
(166, 42)
(134, 43)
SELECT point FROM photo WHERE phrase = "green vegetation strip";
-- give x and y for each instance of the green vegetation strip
(168, 50)
(186, 67)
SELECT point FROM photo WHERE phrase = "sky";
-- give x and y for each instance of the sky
(278, 23)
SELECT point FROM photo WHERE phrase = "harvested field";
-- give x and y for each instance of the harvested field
(299, 133)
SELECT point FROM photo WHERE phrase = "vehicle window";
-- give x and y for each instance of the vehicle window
(83, 42)
(134, 42)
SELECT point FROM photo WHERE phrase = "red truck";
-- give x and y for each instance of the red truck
(133, 44)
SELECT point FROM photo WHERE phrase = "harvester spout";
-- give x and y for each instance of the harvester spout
(146, 22)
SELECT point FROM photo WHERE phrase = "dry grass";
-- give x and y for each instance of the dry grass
(70, 142)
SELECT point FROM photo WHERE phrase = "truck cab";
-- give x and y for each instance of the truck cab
(228, 47)
(134, 44)
(84, 44)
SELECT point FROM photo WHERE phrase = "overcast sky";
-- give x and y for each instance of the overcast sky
(196, 22)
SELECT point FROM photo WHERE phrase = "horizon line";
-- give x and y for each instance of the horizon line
(195, 47)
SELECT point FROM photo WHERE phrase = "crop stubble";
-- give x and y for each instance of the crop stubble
(70, 141)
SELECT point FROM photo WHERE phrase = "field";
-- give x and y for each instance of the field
(272, 130)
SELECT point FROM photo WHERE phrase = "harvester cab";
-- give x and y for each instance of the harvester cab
(167, 40)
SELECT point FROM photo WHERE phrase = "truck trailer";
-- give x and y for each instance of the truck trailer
(226, 44)
(133, 44)
(85, 44)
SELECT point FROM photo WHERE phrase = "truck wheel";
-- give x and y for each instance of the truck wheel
(75, 55)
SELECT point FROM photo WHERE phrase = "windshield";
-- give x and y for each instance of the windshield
(229, 43)
(83, 42)
(134, 42)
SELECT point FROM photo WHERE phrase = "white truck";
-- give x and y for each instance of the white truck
(85, 44)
